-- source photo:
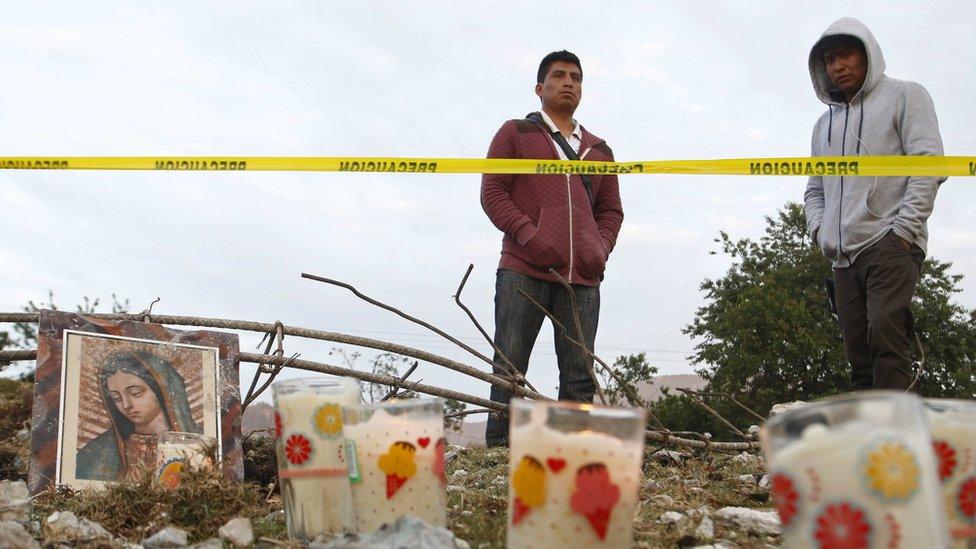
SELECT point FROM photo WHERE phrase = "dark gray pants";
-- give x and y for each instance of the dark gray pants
(874, 297)
(517, 323)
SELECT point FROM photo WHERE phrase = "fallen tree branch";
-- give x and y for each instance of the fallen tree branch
(263, 328)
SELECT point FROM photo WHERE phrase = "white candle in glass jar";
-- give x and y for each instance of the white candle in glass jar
(857, 485)
(176, 451)
(953, 427)
(571, 489)
(399, 461)
(312, 464)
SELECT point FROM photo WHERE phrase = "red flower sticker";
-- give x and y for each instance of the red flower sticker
(946, 455)
(967, 497)
(595, 496)
(842, 526)
(277, 426)
(298, 449)
(786, 497)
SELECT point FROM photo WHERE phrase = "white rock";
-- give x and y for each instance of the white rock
(64, 526)
(668, 457)
(782, 408)
(663, 499)
(451, 488)
(13, 500)
(166, 538)
(23, 435)
(706, 529)
(753, 431)
(459, 473)
(13, 535)
(651, 484)
(753, 520)
(764, 481)
(746, 458)
(405, 532)
(671, 517)
(747, 479)
(237, 532)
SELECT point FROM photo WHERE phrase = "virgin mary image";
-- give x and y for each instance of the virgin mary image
(144, 396)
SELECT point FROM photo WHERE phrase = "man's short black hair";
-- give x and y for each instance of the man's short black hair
(548, 60)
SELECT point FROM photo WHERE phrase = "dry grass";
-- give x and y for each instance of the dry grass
(201, 504)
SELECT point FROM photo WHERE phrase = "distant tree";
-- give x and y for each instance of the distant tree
(766, 334)
(630, 370)
(452, 406)
(26, 332)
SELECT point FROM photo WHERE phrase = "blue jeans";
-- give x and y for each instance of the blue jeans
(517, 323)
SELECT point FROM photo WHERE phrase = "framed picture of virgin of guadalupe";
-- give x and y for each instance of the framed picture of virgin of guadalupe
(104, 390)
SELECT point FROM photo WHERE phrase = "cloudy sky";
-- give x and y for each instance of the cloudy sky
(663, 81)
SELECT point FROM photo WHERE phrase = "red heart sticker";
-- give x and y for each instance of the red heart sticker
(556, 464)
(423, 442)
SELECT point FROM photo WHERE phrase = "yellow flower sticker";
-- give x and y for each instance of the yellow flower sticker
(892, 470)
(529, 482)
(328, 420)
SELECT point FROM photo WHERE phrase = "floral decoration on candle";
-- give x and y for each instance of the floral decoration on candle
(946, 455)
(298, 449)
(277, 426)
(440, 466)
(842, 526)
(786, 497)
(892, 471)
(595, 496)
(967, 498)
(328, 420)
(399, 465)
(169, 475)
(529, 484)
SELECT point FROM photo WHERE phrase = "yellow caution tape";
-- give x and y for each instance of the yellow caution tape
(828, 165)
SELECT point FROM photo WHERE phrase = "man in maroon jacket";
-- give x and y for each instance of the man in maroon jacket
(568, 223)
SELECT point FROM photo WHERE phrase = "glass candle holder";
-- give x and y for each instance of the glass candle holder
(177, 450)
(953, 427)
(575, 473)
(312, 465)
(399, 468)
(856, 471)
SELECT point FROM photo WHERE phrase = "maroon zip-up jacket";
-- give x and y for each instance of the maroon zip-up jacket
(547, 218)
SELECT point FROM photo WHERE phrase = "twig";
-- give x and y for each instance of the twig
(469, 412)
(401, 314)
(711, 411)
(396, 387)
(273, 374)
(749, 410)
(512, 370)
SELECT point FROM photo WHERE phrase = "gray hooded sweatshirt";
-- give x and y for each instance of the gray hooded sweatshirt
(847, 214)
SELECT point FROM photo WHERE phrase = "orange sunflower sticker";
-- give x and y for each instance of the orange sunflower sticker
(328, 420)
(892, 471)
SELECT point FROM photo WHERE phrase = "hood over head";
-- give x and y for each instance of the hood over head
(847, 26)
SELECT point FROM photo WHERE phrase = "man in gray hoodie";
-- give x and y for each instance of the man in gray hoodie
(873, 229)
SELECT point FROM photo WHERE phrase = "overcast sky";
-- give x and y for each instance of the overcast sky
(661, 81)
